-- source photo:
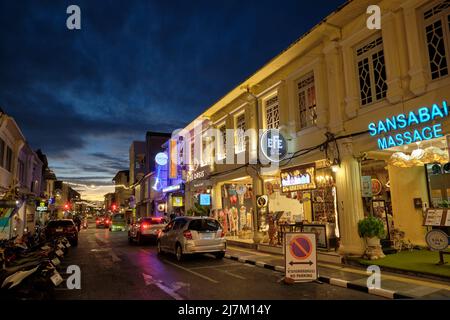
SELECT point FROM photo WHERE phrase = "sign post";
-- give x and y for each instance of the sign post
(300, 258)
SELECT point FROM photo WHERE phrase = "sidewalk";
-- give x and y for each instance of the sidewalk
(393, 286)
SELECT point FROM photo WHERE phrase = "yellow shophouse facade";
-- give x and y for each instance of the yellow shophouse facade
(322, 93)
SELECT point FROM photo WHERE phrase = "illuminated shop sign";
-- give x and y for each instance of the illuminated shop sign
(173, 188)
(173, 168)
(298, 178)
(273, 145)
(205, 199)
(388, 126)
(161, 158)
(177, 201)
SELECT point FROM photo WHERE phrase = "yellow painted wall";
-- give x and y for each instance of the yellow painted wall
(307, 207)
(407, 184)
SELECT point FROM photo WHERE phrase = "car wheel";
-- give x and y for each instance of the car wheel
(179, 252)
(158, 247)
(139, 239)
(75, 243)
(220, 255)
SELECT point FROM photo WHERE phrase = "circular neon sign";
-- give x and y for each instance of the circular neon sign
(273, 145)
(161, 158)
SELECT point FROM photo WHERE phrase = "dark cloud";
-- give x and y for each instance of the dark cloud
(101, 155)
(134, 66)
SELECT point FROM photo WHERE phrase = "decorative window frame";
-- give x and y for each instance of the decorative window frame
(221, 145)
(238, 148)
(357, 59)
(422, 23)
(316, 66)
(352, 95)
(264, 101)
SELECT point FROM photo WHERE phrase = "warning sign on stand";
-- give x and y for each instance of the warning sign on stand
(300, 256)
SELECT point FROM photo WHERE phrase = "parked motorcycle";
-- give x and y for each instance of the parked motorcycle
(28, 268)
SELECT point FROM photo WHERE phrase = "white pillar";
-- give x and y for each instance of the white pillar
(348, 184)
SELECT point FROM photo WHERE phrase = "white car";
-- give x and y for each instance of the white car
(188, 235)
(146, 228)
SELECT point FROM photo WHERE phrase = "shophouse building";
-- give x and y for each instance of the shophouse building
(363, 116)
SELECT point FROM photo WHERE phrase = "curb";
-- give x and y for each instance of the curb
(332, 281)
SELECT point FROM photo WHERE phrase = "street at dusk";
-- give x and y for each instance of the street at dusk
(200, 151)
(114, 269)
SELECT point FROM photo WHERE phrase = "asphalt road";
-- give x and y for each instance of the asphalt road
(113, 269)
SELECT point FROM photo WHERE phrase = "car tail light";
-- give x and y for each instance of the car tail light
(145, 226)
(187, 234)
(222, 234)
(107, 221)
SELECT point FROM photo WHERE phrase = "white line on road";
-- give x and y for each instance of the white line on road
(193, 272)
(234, 275)
(149, 280)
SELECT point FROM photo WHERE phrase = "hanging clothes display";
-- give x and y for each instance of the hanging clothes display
(243, 217)
(223, 220)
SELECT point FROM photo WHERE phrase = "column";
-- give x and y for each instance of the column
(392, 46)
(335, 86)
(350, 209)
(258, 189)
(418, 71)
(216, 196)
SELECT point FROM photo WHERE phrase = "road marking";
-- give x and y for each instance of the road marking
(387, 276)
(338, 282)
(193, 272)
(251, 252)
(148, 279)
(114, 257)
(224, 265)
(234, 275)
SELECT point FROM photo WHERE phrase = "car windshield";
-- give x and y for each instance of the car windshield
(204, 225)
(60, 223)
(153, 220)
(118, 217)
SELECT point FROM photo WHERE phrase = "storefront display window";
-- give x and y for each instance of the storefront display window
(307, 205)
(236, 215)
(377, 197)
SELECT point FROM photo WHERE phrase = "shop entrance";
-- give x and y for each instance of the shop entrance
(313, 209)
(400, 184)
(236, 214)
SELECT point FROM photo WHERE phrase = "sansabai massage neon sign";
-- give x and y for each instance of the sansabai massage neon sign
(403, 121)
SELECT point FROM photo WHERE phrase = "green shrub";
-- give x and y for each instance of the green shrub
(198, 210)
(371, 227)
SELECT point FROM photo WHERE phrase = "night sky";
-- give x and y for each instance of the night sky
(82, 96)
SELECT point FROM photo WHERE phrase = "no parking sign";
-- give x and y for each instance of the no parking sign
(300, 256)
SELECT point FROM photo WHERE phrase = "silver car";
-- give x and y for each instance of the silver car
(188, 235)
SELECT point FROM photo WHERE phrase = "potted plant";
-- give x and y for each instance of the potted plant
(372, 230)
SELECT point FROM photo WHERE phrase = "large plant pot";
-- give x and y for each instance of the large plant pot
(373, 248)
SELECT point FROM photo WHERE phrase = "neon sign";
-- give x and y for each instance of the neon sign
(404, 121)
(273, 145)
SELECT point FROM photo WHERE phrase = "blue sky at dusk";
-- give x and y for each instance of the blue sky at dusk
(82, 96)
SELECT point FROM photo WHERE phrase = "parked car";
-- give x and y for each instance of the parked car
(103, 222)
(188, 235)
(118, 222)
(146, 228)
(62, 227)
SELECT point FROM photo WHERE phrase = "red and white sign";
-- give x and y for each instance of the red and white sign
(300, 256)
